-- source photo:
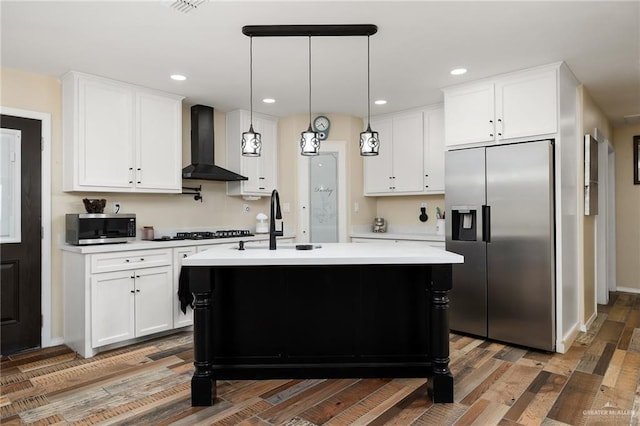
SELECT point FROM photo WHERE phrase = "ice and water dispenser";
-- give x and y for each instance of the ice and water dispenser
(463, 224)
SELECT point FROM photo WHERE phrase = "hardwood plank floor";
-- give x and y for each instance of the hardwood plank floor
(596, 382)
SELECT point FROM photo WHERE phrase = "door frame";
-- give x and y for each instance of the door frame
(339, 147)
(605, 244)
(45, 259)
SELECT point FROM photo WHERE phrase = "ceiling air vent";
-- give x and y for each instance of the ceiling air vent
(632, 119)
(186, 6)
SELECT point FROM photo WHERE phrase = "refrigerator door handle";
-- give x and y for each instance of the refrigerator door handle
(486, 223)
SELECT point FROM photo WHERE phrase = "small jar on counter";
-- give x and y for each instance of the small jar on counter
(147, 233)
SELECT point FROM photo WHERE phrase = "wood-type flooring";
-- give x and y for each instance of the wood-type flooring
(595, 382)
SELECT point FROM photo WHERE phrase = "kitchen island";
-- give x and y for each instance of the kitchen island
(336, 310)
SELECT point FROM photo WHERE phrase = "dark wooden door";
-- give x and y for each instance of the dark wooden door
(21, 263)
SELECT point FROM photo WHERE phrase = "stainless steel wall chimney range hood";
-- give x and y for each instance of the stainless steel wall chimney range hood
(202, 149)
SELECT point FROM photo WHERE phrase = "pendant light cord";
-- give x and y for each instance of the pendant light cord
(251, 81)
(368, 84)
(309, 81)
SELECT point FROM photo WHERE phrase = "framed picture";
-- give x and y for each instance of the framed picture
(636, 160)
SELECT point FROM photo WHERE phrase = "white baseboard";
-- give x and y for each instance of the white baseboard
(584, 327)
(54, 341)
(563, 345)
(628, 290)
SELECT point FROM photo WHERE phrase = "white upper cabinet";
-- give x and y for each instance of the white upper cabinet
(118, 137)
(159, 143)
(411, 157)
(398, 169)
(517, 105)
(434, 151)
(262, 171)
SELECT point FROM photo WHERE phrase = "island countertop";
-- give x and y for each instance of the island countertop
(323, 254)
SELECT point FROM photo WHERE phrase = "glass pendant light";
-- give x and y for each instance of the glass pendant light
(309, 141)
(251, 140)
(369, 140)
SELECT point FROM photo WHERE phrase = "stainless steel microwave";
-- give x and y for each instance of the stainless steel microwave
(100, 228)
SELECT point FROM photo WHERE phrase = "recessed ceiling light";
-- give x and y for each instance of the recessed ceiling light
(380, 102)
(269, 101)
(178, 77)
(458, 71)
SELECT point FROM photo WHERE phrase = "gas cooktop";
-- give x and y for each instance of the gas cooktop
(208, 235)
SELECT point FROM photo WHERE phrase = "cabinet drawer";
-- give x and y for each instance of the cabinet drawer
(119, 261)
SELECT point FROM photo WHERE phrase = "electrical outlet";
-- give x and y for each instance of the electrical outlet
(115, 207)
(246, 208)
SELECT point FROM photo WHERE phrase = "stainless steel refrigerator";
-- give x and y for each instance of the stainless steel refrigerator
(500, 217)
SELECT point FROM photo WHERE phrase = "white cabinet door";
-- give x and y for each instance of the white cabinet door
(518, 105)
(408, 146)
(434, 151)
(469, 114)
(262, 171)
(180, 319)
(118, 137)
(398, 168)
(158, 156)
(105, 135)
(153, 300)
(112, 307)
(378, 170)
(526, 104)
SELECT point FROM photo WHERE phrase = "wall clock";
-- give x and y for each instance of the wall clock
(321, 125)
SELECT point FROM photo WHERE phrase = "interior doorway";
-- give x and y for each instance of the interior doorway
(35, 220)
(322, 195)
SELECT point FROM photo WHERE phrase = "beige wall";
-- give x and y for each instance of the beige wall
(592, 118)
(627, 211)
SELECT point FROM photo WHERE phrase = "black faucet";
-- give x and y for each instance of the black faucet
(275, 214)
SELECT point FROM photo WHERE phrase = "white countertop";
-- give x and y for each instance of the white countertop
(147, 245)
(326, 254)
(398, 236)
(398, 232)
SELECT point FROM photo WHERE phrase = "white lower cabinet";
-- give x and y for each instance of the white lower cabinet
(114, 297)
(128, 304)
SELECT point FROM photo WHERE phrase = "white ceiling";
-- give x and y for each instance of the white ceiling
(417, 44)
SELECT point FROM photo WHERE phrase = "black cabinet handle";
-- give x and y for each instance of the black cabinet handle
(486, 223)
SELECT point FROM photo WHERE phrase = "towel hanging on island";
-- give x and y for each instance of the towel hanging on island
(184, 295)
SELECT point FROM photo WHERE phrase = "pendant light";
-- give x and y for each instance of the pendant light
(251, 140)
(369, 140)
(309, 141)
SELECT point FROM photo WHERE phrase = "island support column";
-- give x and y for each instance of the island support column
(203, 383)
(442, 381)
